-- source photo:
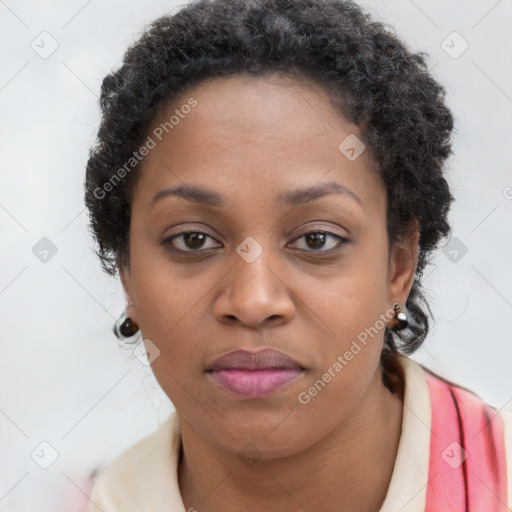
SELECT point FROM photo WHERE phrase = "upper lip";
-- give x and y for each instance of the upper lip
(267, 358)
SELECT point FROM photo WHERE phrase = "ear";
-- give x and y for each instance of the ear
(126, 281)
(402, 267)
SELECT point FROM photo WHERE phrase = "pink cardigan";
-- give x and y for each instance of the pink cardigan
(467, 466)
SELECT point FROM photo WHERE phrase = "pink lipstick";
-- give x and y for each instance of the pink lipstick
(246, 374)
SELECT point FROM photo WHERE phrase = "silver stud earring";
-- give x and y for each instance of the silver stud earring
(402, 320)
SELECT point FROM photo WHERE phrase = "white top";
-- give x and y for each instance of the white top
(144, 477)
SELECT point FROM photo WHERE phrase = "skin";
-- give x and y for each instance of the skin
(250, 139)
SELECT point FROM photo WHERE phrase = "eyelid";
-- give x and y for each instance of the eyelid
(319, 227)
(199, 229)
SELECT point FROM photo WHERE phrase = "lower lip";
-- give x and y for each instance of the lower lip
(253, 383)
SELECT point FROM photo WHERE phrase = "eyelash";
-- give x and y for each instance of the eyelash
(341, 241)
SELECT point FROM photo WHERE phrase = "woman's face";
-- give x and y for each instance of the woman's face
(260, 274)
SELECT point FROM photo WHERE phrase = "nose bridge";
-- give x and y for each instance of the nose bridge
(252, 264)
(254, 290)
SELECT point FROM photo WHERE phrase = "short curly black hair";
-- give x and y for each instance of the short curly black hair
(374, 80)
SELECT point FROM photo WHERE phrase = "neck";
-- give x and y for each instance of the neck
(349, 469)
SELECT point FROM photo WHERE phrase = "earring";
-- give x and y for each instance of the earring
(402, 321)
(125, 328)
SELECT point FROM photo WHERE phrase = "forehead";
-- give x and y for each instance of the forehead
(247, 133)
(274, 108)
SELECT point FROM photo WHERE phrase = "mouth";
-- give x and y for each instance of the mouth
(247, 375)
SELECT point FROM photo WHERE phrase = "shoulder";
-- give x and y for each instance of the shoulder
(506, 416)
(125, 484)
(507, 420)
(451, 400)
(471, 443)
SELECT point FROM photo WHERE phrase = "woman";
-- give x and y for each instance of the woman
(268, 182)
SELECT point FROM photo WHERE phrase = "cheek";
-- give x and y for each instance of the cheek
(333, 395)
(164, 303)
(350, 351)
(350, 356)
(163, 292)
(357, 294)
(354, 307)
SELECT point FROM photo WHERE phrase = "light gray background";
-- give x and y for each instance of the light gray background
(63, 378)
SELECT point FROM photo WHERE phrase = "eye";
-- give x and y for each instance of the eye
(316, 240)
(194, 241)
(190, 241)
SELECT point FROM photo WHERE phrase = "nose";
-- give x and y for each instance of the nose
(254, 294)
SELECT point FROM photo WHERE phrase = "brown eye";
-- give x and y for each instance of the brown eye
(194, 240)
(188, 241)
(317, 240)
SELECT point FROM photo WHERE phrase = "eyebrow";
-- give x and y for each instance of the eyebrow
(307, 194)
(208, 197)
